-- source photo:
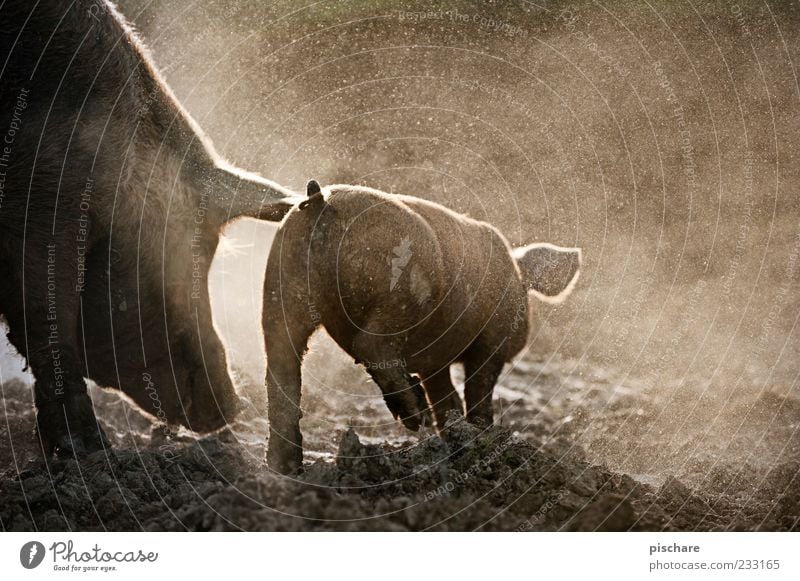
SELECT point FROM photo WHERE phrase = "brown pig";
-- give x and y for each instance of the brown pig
(407, 287)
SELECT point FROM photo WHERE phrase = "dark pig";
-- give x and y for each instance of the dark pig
(111, 205)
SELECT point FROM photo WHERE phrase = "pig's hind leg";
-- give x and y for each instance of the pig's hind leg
(45, 331)
(482, 368)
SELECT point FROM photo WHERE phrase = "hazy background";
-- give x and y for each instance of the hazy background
(661, 137)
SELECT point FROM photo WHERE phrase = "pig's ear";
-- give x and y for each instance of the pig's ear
(549, 271)
(314, 193)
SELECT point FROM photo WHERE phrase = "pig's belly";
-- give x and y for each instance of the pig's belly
(442, 341)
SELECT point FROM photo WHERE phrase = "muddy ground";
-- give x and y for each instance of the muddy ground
(567, 454)
(663, 394)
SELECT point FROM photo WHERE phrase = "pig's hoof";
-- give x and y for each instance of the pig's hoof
(285, 466)
(286, 460)
(77, 445)
(70, 447)
(94, 439)
(62, 445)
(418, 419)
(480, 420)
(69, 429)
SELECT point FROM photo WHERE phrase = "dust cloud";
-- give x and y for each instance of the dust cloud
(659, 137)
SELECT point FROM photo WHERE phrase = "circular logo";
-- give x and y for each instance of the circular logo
(31, 554)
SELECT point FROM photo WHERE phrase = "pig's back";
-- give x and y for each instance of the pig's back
(481, 276)
(407, 266)
(379, 258)
(471, 249)
(384, 235)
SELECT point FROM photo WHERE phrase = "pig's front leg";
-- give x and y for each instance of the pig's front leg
(286, 334)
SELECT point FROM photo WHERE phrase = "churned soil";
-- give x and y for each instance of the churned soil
(570, 454)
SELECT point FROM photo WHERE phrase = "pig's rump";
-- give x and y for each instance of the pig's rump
(410, 269)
